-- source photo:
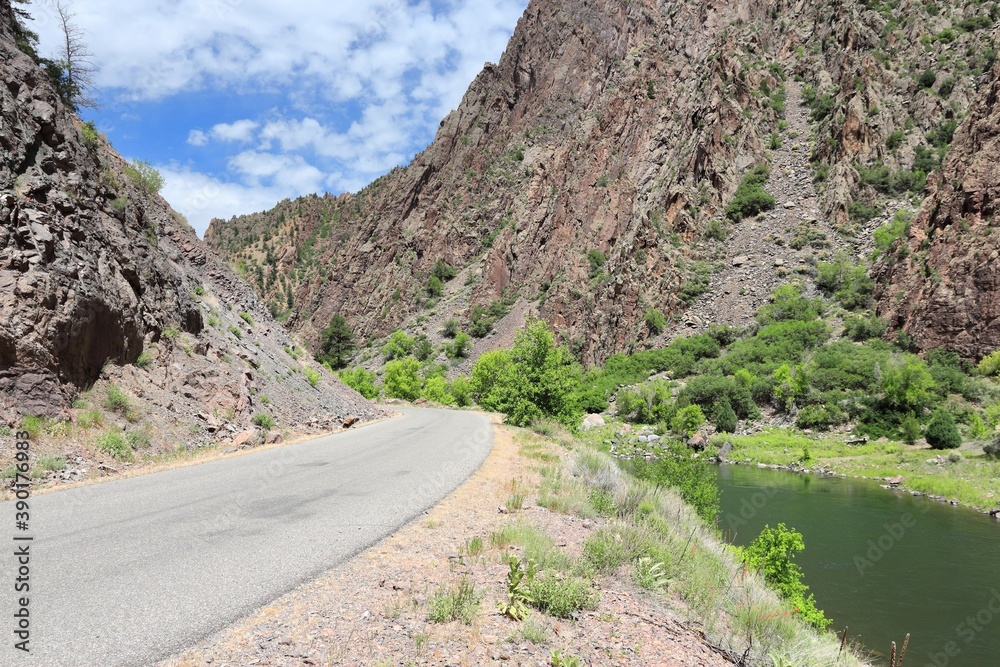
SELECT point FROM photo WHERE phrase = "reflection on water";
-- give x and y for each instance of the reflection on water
(882, 562)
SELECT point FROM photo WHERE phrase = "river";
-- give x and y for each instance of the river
(882, 562)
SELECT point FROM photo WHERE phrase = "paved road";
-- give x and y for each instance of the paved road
(131, 571)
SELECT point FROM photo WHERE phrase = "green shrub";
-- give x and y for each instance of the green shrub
(941, 432)
(116, 400)
(460, 603)
(909, 429)
(649, 403)
(609, 548)
(788, 303)
(246, 317)
(536, 378)
(144, 177)
(860, 329)
(32, 425)
(860, 212)
(235, 330)
(772, 555)
(990, 364)
(436, 391)
(435, 288)
(907, 384)
(887, 235)
(313, 376)
(423, 349)
(562, 596)
(451, 328)
(946, 87)
(694, 479)
(264, 420)
(927, 78)
(360, 381)
(402, 379)
(750, 198)
(461, 390)
(459, 348)
(688, 420)
(443, 271)
(596, 260)
(398, 346)
(655, 321)
(726, 420)
(716, 230)
(895, 140)
(138, 439)
(144, 359)
(91, 137)
(114, 443)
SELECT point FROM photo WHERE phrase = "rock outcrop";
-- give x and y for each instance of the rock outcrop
(583, 176)
(102, 284)
(941, 284)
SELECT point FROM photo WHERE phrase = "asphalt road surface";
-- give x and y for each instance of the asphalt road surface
(132, 571)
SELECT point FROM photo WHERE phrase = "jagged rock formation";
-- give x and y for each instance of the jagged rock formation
(101, 282)
(942, 283)
(579, 175)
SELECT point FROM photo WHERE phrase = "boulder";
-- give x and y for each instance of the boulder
(592, 421)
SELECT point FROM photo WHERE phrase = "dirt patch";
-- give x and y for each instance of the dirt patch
(373, 609)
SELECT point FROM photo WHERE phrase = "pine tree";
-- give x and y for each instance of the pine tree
(725, 417)
(336, 342)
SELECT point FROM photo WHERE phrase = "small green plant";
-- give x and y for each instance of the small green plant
(750, 198)
(144, 177)
(144, 359)
(515, 502)
(171, 333)
(454, 604)
(114, 443)
(313, 376)
(473, 547)
(650, 574)
(198, 290)
(264, 420)
(596, 260)
(116, 400)
(91, 137)
(520, 577)
(32, 425)
(557, 659)
(655, 321)
(459, 348)
(138, 439)
(246, 317)
(89, 419)
(235, 330)
(534, 632)
(562, 596)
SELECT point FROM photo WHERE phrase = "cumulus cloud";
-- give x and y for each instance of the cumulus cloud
(360, 87)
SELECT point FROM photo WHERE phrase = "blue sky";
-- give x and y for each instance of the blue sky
(242, 103)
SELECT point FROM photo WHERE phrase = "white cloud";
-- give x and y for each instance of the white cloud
(352, 89)
(241, 131)
(197, 138)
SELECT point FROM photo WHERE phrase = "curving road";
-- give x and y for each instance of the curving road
(132, 571)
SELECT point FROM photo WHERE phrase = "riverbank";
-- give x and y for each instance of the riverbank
(963, 476)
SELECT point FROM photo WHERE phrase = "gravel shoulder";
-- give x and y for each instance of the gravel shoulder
(373, 609)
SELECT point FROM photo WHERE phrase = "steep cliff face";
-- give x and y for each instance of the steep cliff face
(579, 176)
(941, 284)
(611, 128)
(101, 282)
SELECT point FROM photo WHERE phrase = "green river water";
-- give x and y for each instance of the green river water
(882, 562)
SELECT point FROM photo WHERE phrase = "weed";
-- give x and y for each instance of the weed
(264, 420)
(144, 359)
(116, 400)
(562, 596)
(520, 578)
(533, 632)
(114, 443)
(313, 376)
(454, 604)
(557, 659)
(32, 425)
(246, 318)
(473, 547)
(515, 502)
(89, 419)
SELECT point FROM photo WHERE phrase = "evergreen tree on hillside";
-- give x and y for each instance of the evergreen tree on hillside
(336, 342)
